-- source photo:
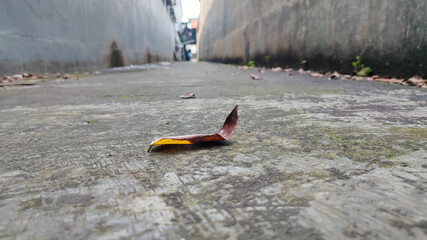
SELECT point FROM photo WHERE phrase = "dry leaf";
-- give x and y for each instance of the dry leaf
(316, 74)
(416, 81)
(334, 75)
(223, 134)
(278, 69)
(255, 77)
(235, 74)
(289, 70)
(393, 80)
(188, 95)
(17, 76)
(301, 71)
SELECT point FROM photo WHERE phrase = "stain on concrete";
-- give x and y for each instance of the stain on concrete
(116, 59)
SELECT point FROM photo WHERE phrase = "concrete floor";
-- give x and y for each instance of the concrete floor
(310, 158)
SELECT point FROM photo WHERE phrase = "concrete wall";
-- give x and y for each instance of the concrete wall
(389, 35)
(55, 35)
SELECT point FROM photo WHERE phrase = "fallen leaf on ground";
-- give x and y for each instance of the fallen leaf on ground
(223, 134)
(392, 80)
(278, 69)
(261, 70)
(188, 95)
(255, 77)
(316, 74)
(301, 71)
(416, 81)
(357, 78)
(17, 76)
(289, 70)
(334, 75)
(235, 74)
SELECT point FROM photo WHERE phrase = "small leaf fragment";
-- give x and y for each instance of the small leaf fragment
(255, 77)
(188, 96)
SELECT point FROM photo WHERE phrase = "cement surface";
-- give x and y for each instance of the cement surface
(310, 158)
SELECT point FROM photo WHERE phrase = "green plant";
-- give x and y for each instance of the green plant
(251, 63)
(267, 59)
(359, 69)
(303, 62)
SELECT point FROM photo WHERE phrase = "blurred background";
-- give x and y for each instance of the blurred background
(52, 36)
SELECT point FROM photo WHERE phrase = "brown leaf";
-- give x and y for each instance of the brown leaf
(255, 77)
(392, 80)
(278, 69)
(223, 134)
(188, 95)
(289, 70)
(416, 81)
(316, 74)
(335, 75)
(17, 76)
(301, 71)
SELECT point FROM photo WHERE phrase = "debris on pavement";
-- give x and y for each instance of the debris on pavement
(316, 74)
(301, 71)
(334, 75)
(255, 77)
(417, 81)
(289, 69)
(223, 134)
(235, 74)
(277, 69)
(188, 96)
(29, 79)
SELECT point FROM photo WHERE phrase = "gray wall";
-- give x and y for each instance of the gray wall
(389, 35)
(55, 35)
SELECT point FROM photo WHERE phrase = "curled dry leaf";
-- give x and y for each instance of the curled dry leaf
(416, 81)
(316, 74)
(301, 71)
(188, 96)
(223, 134)
(334, 75)
(278, 69)
(255, 77)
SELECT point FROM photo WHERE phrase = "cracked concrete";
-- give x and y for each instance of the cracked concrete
(310, 158)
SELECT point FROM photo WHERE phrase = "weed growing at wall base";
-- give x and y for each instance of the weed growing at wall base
(359, 69)
(251, 64)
